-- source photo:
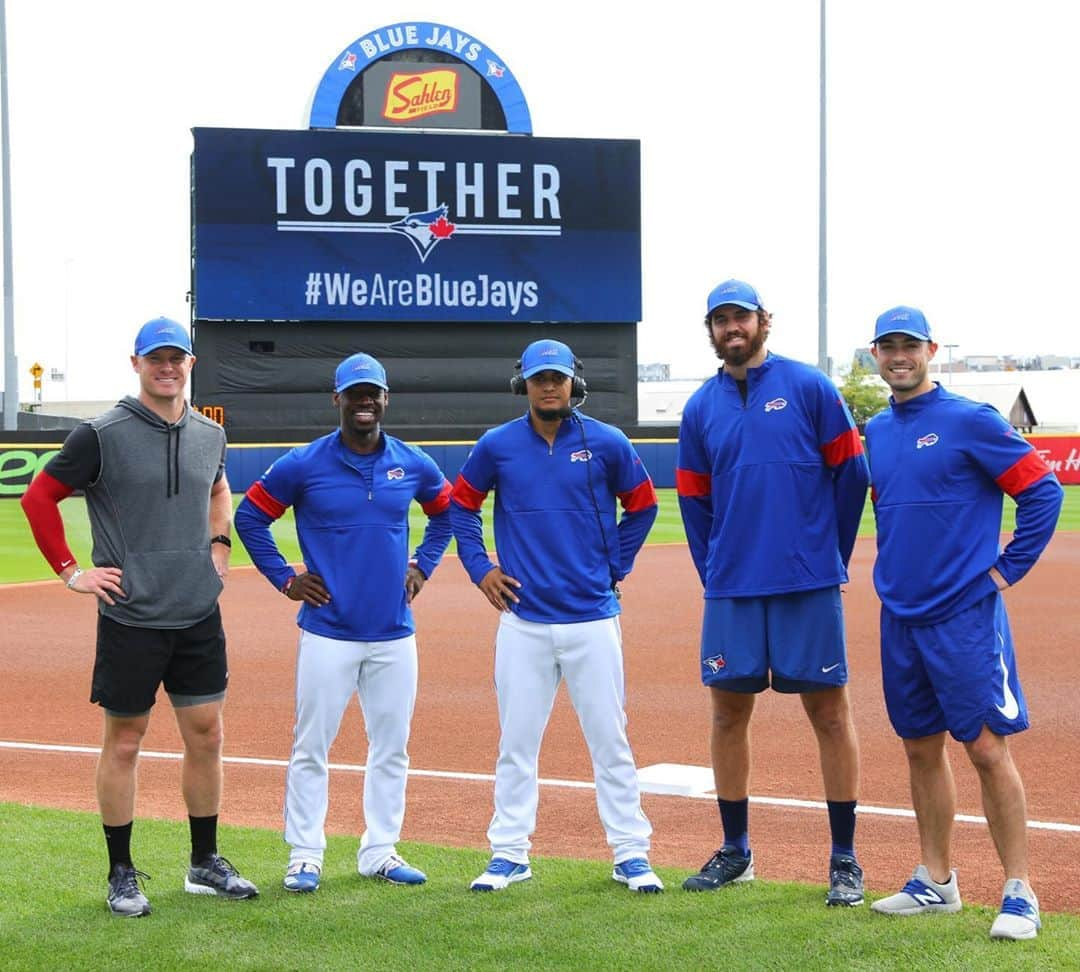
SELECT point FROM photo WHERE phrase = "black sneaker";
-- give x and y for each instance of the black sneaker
(215, 875)
(726, 866)
(126, 899)
(845, 882)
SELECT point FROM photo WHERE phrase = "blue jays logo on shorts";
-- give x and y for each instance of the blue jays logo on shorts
(396, 473)
(716, 663)
(582, 455)
(926, 440)
(776, 404)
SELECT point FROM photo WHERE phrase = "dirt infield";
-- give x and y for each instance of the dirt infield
(48, 639)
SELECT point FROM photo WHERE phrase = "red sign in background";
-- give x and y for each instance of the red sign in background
(1062, 454)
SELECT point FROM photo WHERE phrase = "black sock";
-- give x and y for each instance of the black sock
(734, 814)
(203, 837)
(118, 844)
(842, 826)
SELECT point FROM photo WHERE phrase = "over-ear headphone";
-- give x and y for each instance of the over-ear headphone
(578, 388)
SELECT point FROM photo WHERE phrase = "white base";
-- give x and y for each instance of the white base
(676, 779)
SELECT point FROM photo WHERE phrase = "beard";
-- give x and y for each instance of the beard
(739, 356)
(551, 414)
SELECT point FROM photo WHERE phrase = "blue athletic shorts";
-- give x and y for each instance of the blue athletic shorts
(797, 637)
(958, 675)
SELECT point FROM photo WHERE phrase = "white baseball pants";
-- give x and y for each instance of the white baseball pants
(328, 672)
(530, 661)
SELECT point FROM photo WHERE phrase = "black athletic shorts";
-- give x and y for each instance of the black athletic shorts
(132, 662)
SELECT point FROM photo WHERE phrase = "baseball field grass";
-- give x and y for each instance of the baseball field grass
(570, 916)
(22, 562)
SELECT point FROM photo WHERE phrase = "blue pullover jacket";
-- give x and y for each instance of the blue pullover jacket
(352, 521)
(555, 527)
(941, 464)
(771, 489)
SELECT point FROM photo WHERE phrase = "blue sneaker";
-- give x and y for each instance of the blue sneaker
(636, 874)
(1019, 918)
(500, 874)
(396, 871)
(302, 876)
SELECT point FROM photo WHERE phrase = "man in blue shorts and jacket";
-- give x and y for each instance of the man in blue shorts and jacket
(771, 480)
(941, 464)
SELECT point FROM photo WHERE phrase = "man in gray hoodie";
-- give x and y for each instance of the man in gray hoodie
(153, 473)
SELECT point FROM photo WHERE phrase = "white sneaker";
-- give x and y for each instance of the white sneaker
(1019, 917)
(500, 874)
(921, 896)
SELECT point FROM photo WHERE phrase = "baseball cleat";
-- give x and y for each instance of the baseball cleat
(125, 899)
(726, 866)
(396, 871)
(922, 895)
(845, 882)
(1019, 917)
(500, 874)
(637, 875)
(215, 875)
(302, 876)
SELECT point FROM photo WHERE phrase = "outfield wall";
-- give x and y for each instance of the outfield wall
(20, 460)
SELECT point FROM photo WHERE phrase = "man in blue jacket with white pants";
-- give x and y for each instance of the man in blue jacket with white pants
(557, 475)
(351, 491)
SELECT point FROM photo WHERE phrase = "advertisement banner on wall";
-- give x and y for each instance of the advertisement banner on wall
(375, 226)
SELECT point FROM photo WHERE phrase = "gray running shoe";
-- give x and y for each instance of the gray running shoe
(215, 875)
(922, 895)
(726, 866)
(845, 882)
(126, 899)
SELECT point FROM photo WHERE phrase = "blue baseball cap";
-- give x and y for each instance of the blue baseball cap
(359, 369)
(733, 292)
(162, 332)
(902, 320)
(547, 355)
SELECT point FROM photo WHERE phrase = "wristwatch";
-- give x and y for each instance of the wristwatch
(221, 538)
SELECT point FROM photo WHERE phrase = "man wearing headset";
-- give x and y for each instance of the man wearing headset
(561, 553)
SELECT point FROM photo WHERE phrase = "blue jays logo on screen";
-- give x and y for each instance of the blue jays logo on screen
(376, 226)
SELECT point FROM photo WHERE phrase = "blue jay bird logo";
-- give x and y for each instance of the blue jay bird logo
(425, 230)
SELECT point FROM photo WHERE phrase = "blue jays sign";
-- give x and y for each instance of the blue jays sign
(371, 226)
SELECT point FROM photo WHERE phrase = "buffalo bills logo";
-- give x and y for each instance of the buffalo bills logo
(425, 230)
(582, 455)
(926, 440)
(775, 405)
(715, 663)
(396, 473)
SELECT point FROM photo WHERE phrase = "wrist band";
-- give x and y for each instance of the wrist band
(289, 583)
(221, 538)
(70, 582)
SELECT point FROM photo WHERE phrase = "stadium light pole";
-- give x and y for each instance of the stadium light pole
(823, 286)
(11, 364)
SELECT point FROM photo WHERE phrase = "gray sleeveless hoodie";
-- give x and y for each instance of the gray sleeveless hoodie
(149, 513)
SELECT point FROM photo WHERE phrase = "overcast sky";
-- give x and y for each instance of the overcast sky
(953, 156)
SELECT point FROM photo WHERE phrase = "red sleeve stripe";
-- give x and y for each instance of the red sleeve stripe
(264, 501)
(845, 446)
(440, 504)
(641, 497)
(873, 495)
(689, 483)
(1023, 473)
(467, 495)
